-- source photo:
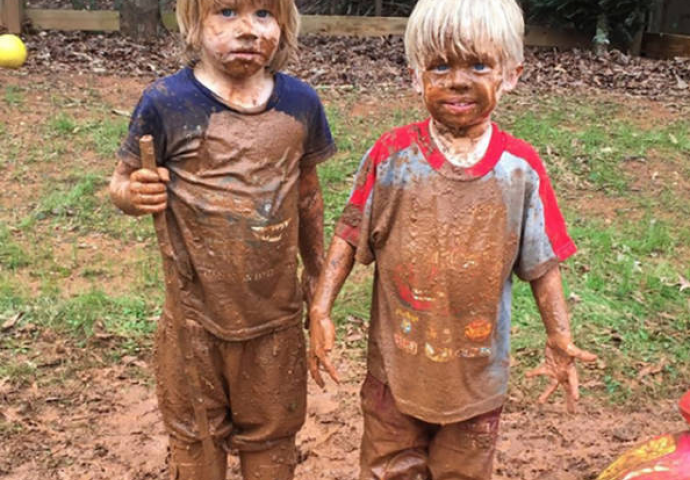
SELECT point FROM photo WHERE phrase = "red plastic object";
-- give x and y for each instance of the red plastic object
(666, 457)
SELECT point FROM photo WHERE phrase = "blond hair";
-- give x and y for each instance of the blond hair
(466, 28)
(192, 13)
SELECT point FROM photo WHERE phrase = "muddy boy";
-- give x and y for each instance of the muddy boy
(237, 144)
(449, 208)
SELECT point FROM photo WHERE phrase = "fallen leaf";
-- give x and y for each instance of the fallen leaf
(684, 284)
(652, 369)
(12, 321)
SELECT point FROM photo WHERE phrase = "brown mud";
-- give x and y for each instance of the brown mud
(103, 423)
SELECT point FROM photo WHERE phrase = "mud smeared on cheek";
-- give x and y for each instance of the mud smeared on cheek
(268, 47)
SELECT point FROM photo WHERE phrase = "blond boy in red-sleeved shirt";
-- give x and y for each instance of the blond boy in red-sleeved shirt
(449, 208)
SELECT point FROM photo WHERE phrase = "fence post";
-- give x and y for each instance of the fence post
(139, 19)
(13, 15)
(378, 8)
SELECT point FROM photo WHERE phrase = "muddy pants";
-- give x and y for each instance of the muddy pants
(254, 392)
(396, 446)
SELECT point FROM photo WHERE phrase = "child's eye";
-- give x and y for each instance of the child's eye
(263, 14)
(479, 67)
(228, 12)
(442, 67)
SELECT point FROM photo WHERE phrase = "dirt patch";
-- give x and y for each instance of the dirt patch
(104, 424)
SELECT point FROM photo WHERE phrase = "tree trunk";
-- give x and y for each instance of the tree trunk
(139, 19)
(601, 39)
(378, 8)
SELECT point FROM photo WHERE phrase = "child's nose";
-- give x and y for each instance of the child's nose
(460, 80)
(246, 28)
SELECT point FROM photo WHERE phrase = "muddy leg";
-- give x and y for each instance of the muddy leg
(394, 445)
(268, 396)
(276, 463)
(465, 450)
(175, 402)
(187, 462)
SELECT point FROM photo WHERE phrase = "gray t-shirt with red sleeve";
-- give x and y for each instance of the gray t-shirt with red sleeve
(446, 241)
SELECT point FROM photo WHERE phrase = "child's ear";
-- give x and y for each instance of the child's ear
(416, 80)
(511, 78)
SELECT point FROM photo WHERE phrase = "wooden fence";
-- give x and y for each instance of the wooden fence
(109, 21)
(13, 15)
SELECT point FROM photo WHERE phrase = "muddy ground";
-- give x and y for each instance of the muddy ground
(103, 424)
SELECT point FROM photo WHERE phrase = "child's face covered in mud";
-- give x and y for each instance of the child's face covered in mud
(462, 92)
(240, 37)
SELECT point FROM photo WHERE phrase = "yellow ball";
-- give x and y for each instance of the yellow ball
(12, 51)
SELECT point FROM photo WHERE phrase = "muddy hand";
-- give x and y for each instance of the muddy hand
(321, 342)
(559, 366)
(147, 191)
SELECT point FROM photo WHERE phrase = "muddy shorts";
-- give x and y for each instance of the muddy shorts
(396, 446)
(254, 392)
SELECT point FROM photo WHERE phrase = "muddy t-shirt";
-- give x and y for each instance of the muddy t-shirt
(446, 241)
(233, 196)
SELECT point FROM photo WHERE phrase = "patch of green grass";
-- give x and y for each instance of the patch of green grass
(62, 125)
(18, 373)
(12, 297)
(77, 200)
(12, 255)
(107, 135)
(127, 316)
(14, 95)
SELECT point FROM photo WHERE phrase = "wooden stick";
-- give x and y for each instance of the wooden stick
(174, 278)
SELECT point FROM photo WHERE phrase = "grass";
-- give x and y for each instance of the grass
(12, 255)
(71, 264)
(14, 95)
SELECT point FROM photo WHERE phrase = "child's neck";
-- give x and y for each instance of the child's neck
(245, 94)
(463, 149)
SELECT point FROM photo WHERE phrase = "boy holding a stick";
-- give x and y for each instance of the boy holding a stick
(236, 197)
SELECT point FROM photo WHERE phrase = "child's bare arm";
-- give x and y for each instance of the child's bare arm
(561, 352)
(310, 230)
(139, 191)
(338, 265)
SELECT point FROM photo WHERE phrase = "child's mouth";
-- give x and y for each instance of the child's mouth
(244, 55)
(460, 107)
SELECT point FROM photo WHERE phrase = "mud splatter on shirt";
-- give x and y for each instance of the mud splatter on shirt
(446, 241)
(233, 196)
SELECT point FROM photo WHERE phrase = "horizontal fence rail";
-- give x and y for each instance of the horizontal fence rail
(12, 14)
(109, 21)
